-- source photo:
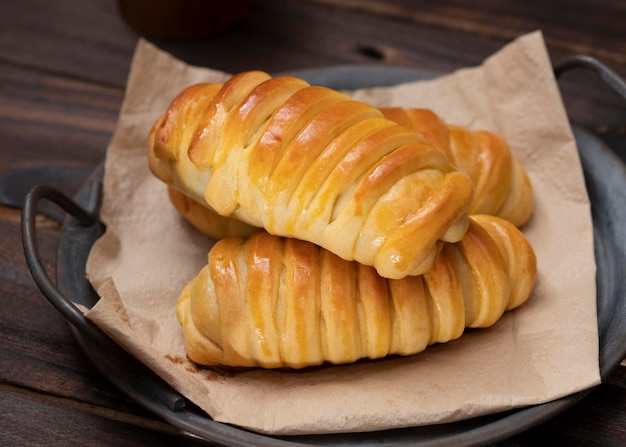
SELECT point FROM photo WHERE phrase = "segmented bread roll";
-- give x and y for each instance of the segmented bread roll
(310, 163)
(206, 220)
(279, 302)
(501, 185)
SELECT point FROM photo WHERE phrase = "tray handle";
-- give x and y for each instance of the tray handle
(139, 379)
(33, 259)
(610, 77)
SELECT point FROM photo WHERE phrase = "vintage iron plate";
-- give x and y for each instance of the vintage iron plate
(605, 176)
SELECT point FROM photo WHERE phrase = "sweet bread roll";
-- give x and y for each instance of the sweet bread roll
(308, 162)
(206, 220)
(279, 302)
(501, 185)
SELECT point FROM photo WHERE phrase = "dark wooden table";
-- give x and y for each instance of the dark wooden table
(63, 69)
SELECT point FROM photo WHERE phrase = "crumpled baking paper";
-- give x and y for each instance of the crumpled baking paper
(542, 351)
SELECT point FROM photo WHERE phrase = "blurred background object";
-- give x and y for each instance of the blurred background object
(184, 19)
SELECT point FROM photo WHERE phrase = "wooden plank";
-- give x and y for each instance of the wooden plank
(49, 120)
(281, 35)
(278, 35)
(34, 419)
(595, 28)
(67, 38)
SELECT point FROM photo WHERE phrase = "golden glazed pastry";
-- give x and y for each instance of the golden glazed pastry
(310, 163)
(279, 302)
(501, 185)
(206, 220)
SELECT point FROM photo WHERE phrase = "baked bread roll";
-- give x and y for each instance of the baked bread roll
(279, 302)
(501, 185)
(206, 220)
(308, 162)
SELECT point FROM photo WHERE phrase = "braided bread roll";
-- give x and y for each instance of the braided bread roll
(501, 185)
(278, 302)
(310, 163)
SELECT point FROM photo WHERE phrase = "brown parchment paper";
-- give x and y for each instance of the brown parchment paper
(546, 349)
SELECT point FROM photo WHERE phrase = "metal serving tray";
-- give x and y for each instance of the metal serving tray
(605, 176)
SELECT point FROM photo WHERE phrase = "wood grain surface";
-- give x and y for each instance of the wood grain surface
(63, 70)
